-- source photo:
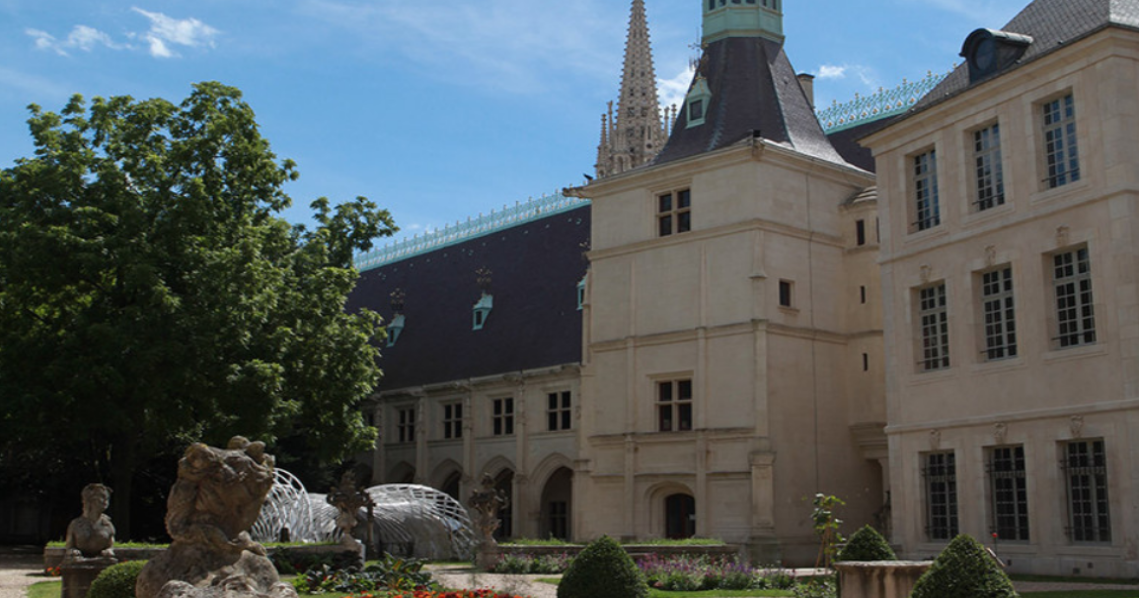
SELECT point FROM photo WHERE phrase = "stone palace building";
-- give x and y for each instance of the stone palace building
(924, 303)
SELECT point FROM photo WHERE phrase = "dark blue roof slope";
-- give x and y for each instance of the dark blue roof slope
(535, 322)
(1052, 24)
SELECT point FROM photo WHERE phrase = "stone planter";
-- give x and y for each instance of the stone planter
(879, 579)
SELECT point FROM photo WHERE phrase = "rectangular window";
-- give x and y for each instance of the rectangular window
(1085, 468)
(405, 425)
(940, 473)
(1008, 493)
(860, 232)
(862, 293)
(785, 293)
(502, 418)
(1061, 156)
(674, 406)
(927, 210)
(866, 362)
(558, 413)
(674, 212)
(999, 314)
(1075, 310)
(453, 420)
(933, 320)
(988, 170)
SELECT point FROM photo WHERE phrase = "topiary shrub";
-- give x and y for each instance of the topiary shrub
(964, 570)
(116, 581)
(603, 570)
(867, 545)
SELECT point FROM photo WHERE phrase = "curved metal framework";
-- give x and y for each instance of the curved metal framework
(286, 507)
(408, 519)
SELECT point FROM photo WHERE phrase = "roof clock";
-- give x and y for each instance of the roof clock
(743, 18)
(989, 51)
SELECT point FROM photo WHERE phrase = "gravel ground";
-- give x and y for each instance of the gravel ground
(18, 570)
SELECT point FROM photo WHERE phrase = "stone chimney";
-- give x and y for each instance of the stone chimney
(807, 82)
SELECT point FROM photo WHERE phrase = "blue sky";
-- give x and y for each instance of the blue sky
(436, 110)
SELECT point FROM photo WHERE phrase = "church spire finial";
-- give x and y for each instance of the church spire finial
(636, 132)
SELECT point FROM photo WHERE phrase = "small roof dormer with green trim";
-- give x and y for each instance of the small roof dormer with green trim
(743, 18)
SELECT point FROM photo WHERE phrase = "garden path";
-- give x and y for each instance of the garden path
(19, 568)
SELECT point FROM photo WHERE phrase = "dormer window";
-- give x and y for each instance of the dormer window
(481, 311)
(989, 51)
(697, 102)
(394, 329)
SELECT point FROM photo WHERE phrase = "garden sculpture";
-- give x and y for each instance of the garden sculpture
(213, 504)
(92, 535)
(487, 501)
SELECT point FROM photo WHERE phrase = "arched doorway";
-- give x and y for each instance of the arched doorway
(557, 503)
(679, 516)
(504, 484)
(451, 486)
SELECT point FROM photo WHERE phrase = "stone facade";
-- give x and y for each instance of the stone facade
(1012, 327)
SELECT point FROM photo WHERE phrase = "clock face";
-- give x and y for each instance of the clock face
(985, 54)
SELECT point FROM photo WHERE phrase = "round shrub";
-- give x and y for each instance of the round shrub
(116, 581)
(964, 570)
(867, 545)
(603, 570)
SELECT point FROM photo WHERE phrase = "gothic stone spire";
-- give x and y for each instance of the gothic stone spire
(636, 132)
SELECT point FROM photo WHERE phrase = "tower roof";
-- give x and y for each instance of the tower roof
(747, 88)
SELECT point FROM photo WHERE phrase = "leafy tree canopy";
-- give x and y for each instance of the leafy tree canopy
(151, 295)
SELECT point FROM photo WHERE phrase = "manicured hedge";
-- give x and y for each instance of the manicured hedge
(603, 570)
(867, 545)
(964, 570)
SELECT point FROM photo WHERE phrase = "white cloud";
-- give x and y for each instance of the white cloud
(672, 91)
(81, 37)
(165, 31)
(830, 71)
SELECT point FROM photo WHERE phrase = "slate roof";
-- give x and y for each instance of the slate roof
(1052, 24)
(846, 143)
(535, 322)
(754, 88)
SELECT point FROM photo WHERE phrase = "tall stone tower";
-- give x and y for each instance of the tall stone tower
(632, 135)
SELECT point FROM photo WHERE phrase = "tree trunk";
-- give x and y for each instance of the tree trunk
(122, 481)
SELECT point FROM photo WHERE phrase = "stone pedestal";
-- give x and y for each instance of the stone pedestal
(879, 579)
(79, 573)
(487, 556)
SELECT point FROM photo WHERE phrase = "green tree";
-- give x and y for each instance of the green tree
(151, 295)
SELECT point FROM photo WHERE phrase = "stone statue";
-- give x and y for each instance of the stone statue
(92, 535)
(90, 543)
(486, 501)
(211, 507)
(348, 500)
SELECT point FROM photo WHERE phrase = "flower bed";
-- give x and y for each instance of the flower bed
(440, 594)
(699, 573)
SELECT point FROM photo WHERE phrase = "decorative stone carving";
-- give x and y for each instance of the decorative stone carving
(92, 535)
(486, 501)
(926, 274)
(1077, 426)
(934, 441)
(1063, 236)
(990, 256)
(217, 498)
(1000, 432)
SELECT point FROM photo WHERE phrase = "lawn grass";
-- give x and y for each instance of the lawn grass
(45, 589)
(1083, 594)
